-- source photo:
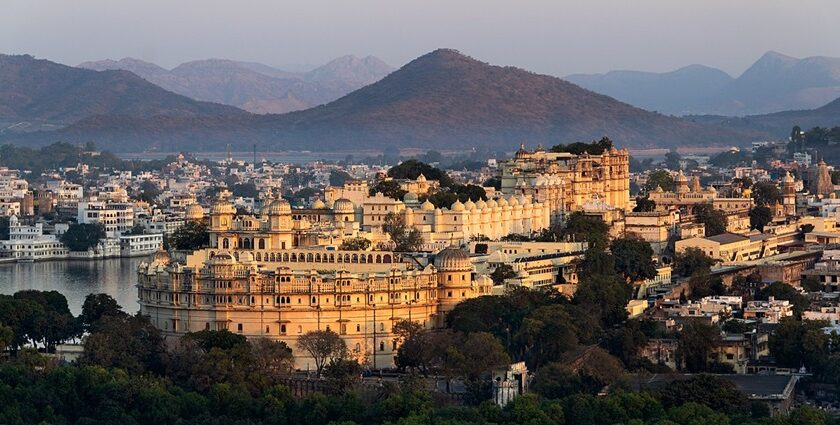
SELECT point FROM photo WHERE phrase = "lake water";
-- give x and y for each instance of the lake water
(116, 277)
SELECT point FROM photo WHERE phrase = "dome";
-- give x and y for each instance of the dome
(344, 206)
(457, 206)
(523, 200)
(681, 177)
(469, 205)
(787, 178)
(421, 178)
(481, 204)
(161, 257)
(492, 203)
(512, 201)
(194, 212)
(502, 202)
(427, 206)
(280, 207)
(222, 206)
(453, 260)
(246, 257)
(318, 204)
(658, 189)
(410, 197)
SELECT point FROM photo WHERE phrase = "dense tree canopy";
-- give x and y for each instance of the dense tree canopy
(413, 168)
(766, 193)
(82, 237)
(597, 147)
(190, 237)
(713, 219)
(660, 178)
(633, 259)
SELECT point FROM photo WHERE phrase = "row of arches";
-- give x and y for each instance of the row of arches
(324, 258)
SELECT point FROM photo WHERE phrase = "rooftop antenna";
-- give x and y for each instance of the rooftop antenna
(255, 155)
(229, 156)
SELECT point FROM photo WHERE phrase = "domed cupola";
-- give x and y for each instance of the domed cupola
(344, 206)
(222, 206)
(194, 212)
(280, 207)
(453, 260)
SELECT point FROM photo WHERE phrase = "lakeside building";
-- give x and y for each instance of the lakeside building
(283, 300)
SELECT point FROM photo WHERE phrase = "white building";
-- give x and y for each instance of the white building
(115, 217)
(29, 243)
(140, 245)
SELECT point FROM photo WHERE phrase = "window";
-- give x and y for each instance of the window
(381, 346)
(239, 327)
(282, 329)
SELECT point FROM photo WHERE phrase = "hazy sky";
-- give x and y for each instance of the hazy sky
(555, 37)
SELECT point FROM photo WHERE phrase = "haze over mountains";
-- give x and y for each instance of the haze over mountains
(774, 83)
(256, 87)
(37, 92)
(441, 100)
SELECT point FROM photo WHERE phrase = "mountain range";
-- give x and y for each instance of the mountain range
(36, 93)
(442, 100)
(256, 87)
(775, 82)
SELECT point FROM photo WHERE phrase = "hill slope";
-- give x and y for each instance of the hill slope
(447, 99)
(775, 82)
(256, 87)
(442, 100)
(40, 92)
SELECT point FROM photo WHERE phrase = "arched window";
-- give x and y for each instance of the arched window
(259, 257)
(355, 258)
(364, 259)
(317, 258)
(378, 258)
(285, 257)
(381, 346)
(386, 258)
(262, 243)
(283, 329)
(309, 258)
(225, 243)
(294, 258)
(370, 258)
(340, 258)
(332, 258)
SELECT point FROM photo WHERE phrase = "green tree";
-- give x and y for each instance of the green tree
(633, 259)
(690, 261)
(131, 343)
(406, 238)
(4, 228)
(660, 178)
(191, 236)
(148, 192)
(389, 188)
(97, 306)
(412, 169)
(783, 291)
(605, 297)
(502, 273)
(714, 392)
(355, 244)
(324, 347)
(759, 217)
(245, 190)
(338, 177)
(82, 237)
(546, 334)
(597, 147)
(697, 340)
(644, 204)
(766, 193)
(713, 219)
(586, 228)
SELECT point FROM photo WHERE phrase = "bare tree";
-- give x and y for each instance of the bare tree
(324, 347)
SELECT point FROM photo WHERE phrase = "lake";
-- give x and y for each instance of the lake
(116, 277)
